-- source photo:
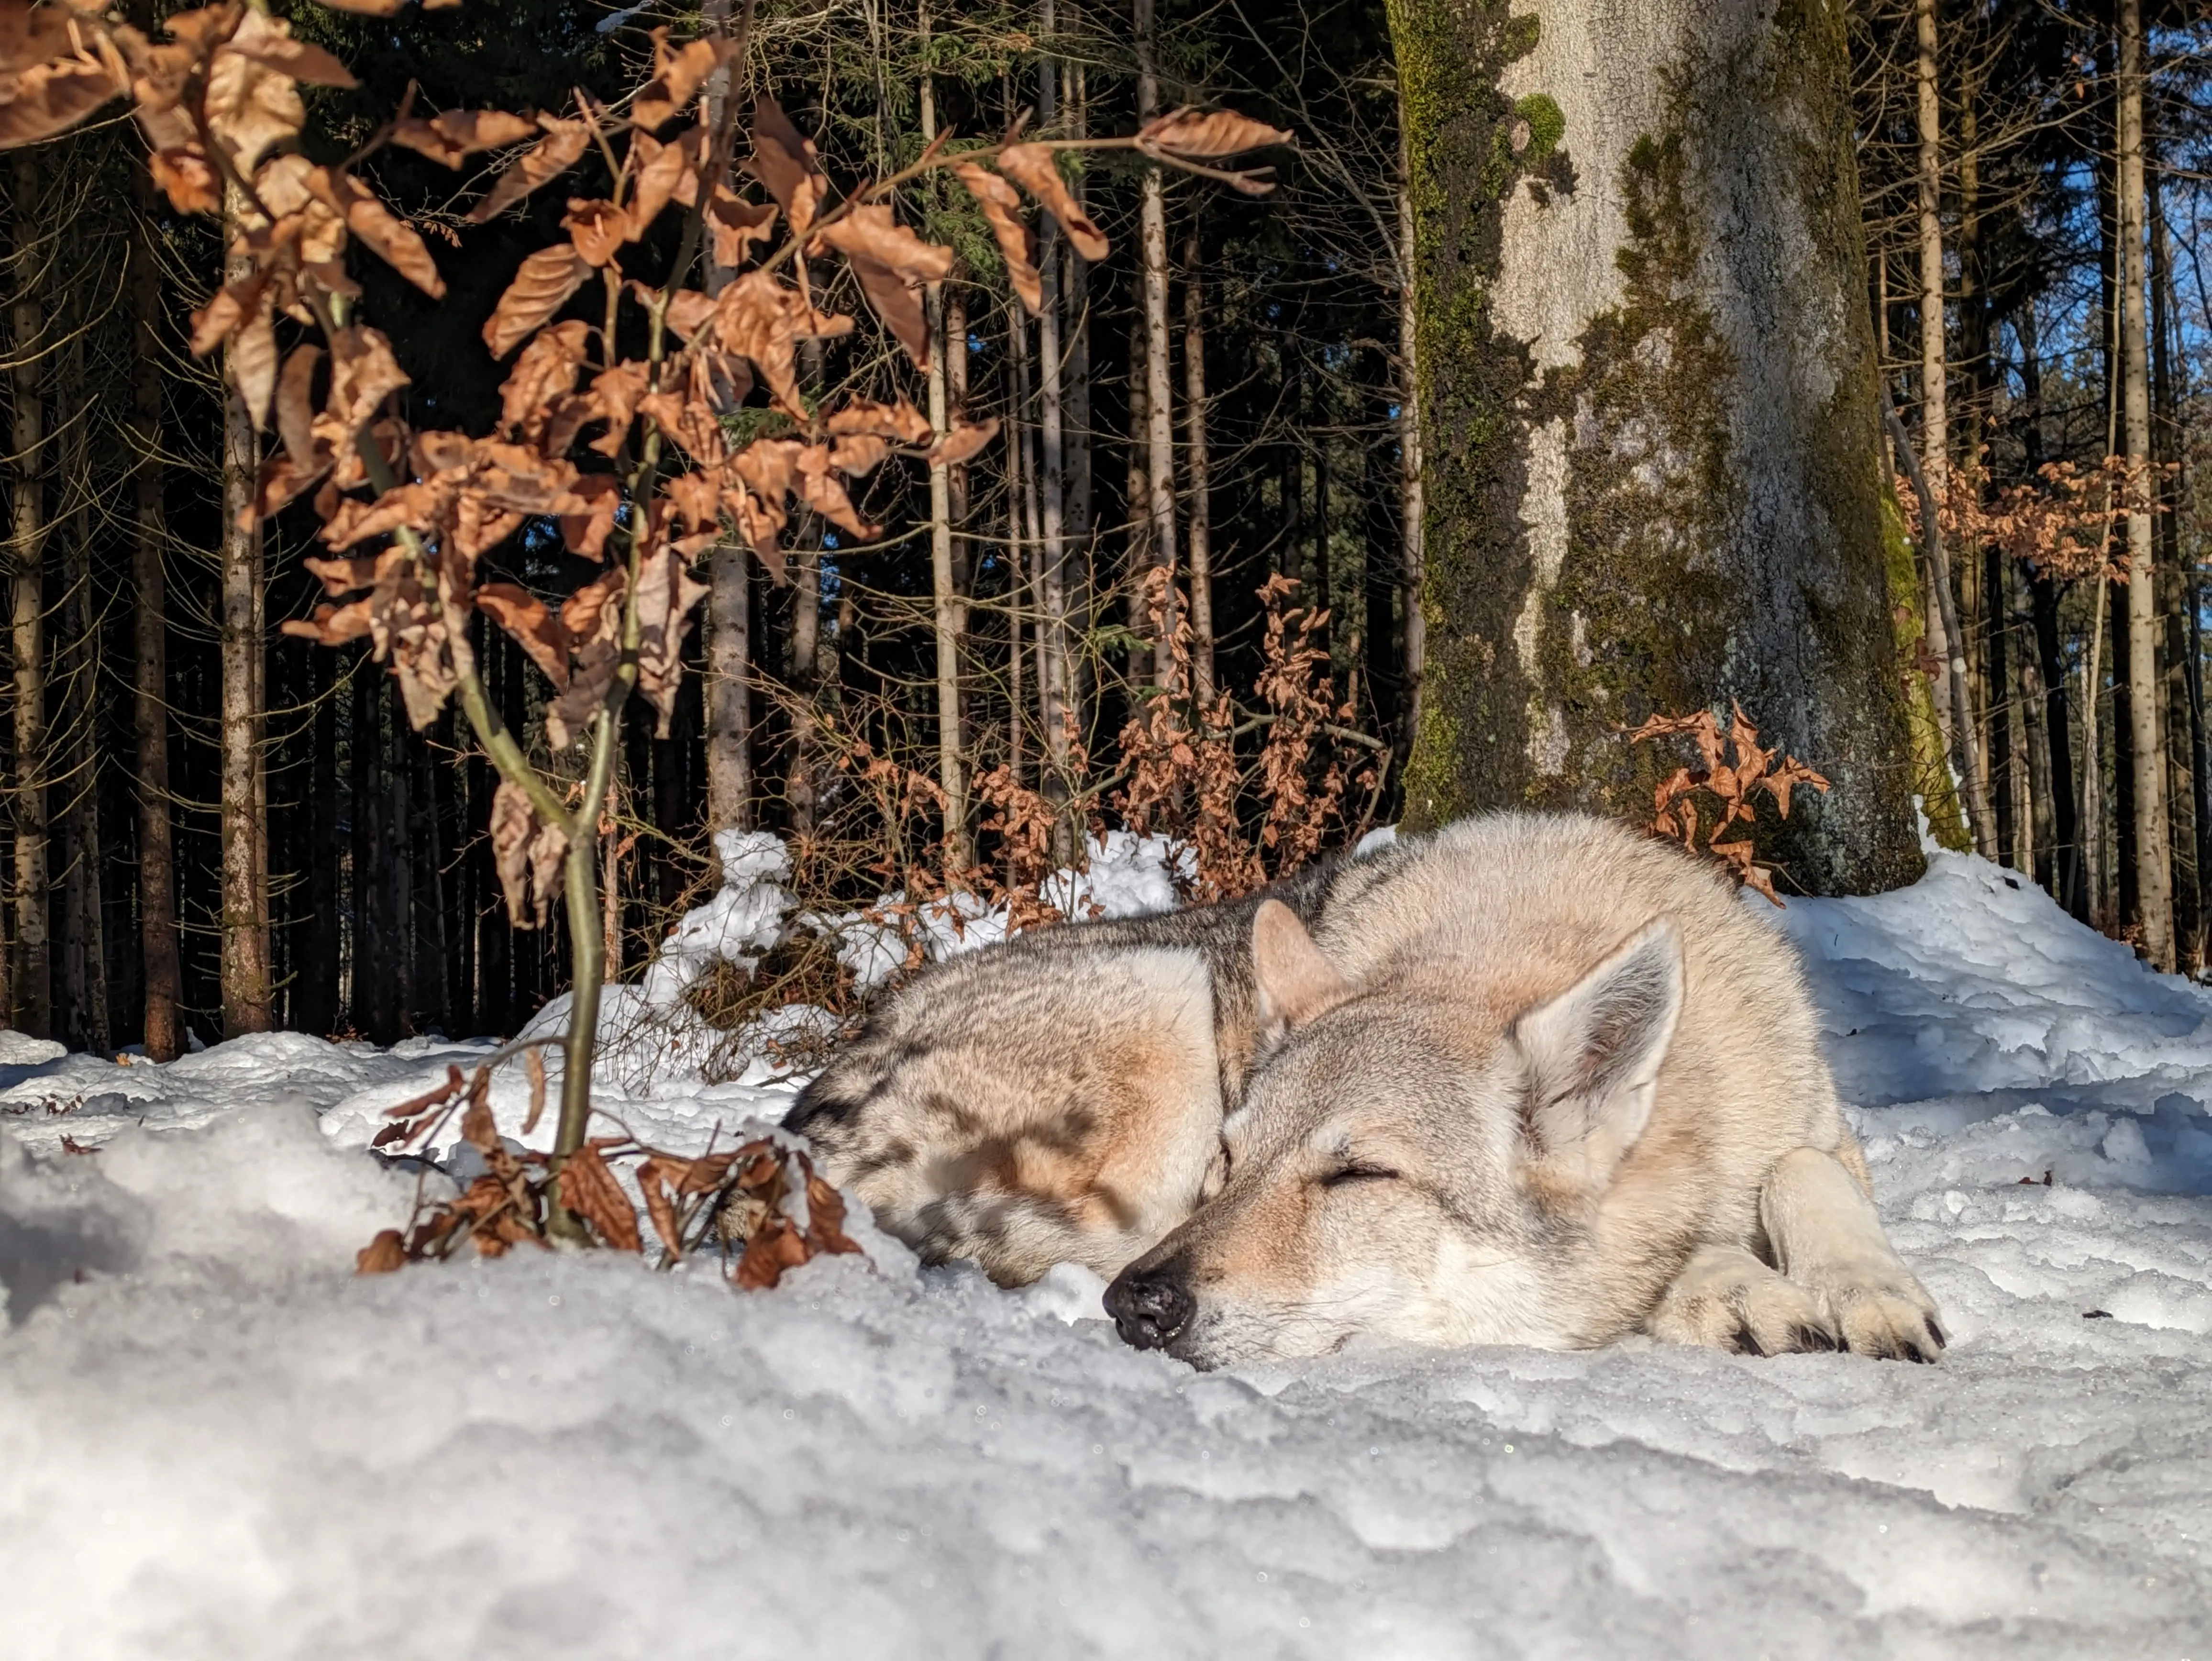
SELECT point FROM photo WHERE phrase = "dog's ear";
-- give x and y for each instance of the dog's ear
(1591, 1058)
(1295, 981)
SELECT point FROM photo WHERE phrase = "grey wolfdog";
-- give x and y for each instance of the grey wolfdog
(1546, 1083)
(1057, 1098)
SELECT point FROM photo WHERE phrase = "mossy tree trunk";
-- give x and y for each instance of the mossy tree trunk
(1652, 444)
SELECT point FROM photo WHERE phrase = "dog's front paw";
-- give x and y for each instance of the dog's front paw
(1887, 1315)
(1726, 1299)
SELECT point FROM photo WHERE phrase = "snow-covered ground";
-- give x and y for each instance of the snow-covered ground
(216, 1441)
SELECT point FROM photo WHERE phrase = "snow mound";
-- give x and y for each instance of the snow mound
(216, 1442)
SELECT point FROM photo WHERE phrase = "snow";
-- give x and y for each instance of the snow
(216, 1441)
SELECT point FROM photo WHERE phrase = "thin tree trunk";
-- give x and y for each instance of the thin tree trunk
(87, 945)
(1954, 700)
(1412, 647)
(945, 591)
(2153, 874)
(1137, 496)
(2096, 888)
(2177, 597)
(157, 869)
(33, 1009)
(1199, 512)
(1054, 648)
(728, 699)
(1159, 408)
(245, 988)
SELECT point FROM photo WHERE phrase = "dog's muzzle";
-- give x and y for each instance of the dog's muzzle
(1150, 1308)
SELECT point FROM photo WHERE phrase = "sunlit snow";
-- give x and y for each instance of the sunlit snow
(215, 1441)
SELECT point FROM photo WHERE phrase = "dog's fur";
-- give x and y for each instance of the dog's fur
(1546, 1084)
(1059, 1097)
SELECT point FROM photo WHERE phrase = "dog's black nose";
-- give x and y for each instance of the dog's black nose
(1149, 1308)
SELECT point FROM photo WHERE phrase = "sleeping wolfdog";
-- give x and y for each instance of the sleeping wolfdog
(1546, 1083)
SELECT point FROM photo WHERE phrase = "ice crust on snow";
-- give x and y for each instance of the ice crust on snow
(216, 1441)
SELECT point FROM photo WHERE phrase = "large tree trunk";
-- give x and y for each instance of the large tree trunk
(32, 1008)
(2153, 871)
(157, 869)
(1653, 464)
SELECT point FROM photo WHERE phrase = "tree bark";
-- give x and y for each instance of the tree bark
(32, 1004)
(1651, 439)
(2154, 871)
(945, 591)
(1198, 471)
(1160, 410)
(157, 869)
(85, 1023)
(1412, 645)
(1055, 648)
(1945, 639)
(245, 980)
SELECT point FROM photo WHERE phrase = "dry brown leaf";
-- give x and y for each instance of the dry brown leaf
(962, 442)
(391, 238)
(587, 1187)
(188, 179)
(900, 422)
(1208, 133)
(382, 1255)
(363, 374)
(657, 1179)
(547, 370)
(586, 525)
(857, 454)
(690, 422)
(527, 854)
(370, 7)
(819, 489)
(536, 630)
(696, 498)
(279, 482)
(226, 309)
(332, 626)
(760, 319)
(295, 408)
(250, 107)
(777, 1246)
(51, 98)
(1002, 206)
(592, 617)
(785, 162)
(736, 224)
(676, 77)
(455, 136)
(564, 145)
(597, 228)
(1032, 168)
(533, 1064)
(541, 287)
(892, 263)
(251, 363)
(655, 171)
(274, 48)
(33, 34)
(666, 594)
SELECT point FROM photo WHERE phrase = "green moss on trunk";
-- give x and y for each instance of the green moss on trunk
(1705, 522)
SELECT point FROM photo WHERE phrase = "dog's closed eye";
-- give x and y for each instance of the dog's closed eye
(1358, 1173)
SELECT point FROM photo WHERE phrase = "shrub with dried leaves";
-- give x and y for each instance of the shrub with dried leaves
(631, 457)
(1729, 785)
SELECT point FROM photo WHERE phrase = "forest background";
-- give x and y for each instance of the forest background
(1209, 478)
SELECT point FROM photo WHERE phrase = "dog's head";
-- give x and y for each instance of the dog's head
(1025, 1108)
(1408, 1161)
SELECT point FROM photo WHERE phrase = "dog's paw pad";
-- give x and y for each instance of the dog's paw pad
(1892, 1323)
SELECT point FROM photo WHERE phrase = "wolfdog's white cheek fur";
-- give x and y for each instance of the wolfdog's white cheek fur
(1477, 1295)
